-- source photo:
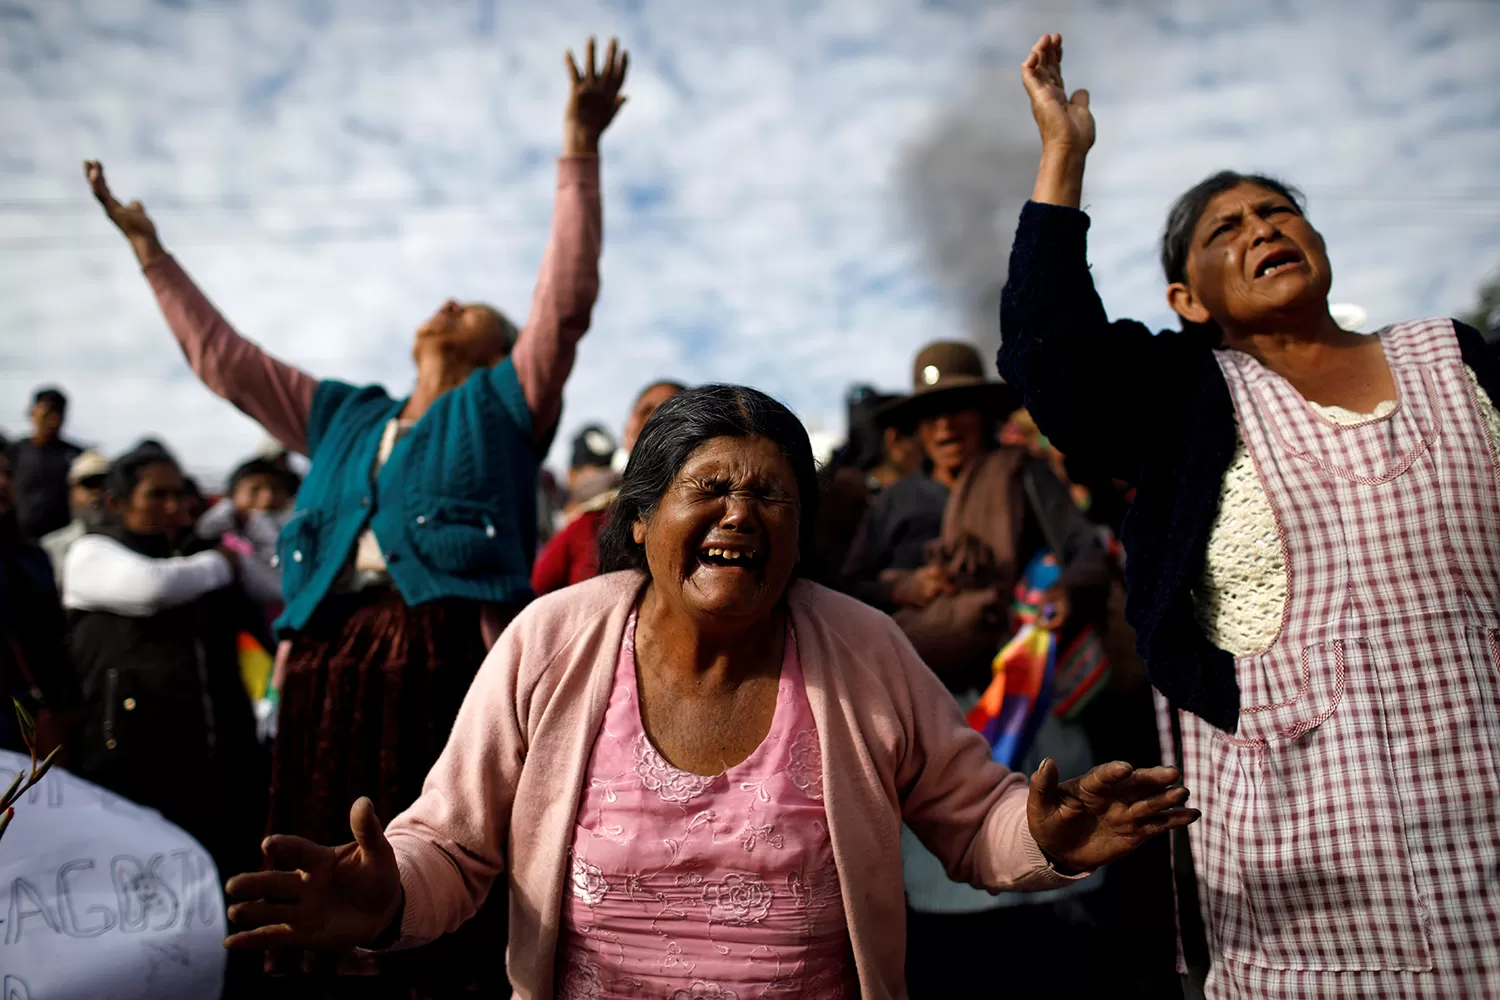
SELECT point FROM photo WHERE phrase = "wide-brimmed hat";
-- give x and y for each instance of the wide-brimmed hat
(948, 376)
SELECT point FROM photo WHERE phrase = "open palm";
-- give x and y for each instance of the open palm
(1102, 816)
(595, 96)
(1063, 121)
(320, 898)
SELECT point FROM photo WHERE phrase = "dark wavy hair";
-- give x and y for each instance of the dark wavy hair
(1177, 237)
(674, 432)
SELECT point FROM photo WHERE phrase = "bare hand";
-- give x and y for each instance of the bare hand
(919, 588)
(1064, 122)
(325, 898)
(1102, 816)
(1054, 608)
(131, 219)
(594, 99)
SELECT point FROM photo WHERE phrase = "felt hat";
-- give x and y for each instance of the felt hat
(948, 376)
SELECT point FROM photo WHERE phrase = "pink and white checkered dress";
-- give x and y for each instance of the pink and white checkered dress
(1350, 840)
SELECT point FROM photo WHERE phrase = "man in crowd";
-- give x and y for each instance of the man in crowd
(85, 500)
(40, 466)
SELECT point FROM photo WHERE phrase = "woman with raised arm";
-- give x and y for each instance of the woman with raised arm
(415, 525)
(1314, 563)
(693, 770)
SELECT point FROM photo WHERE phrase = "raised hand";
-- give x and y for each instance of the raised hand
(1064, 121)
(595, 97)
(130, 219)
(1102, 816)
(325, 898)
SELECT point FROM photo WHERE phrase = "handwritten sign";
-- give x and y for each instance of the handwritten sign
(100, 897)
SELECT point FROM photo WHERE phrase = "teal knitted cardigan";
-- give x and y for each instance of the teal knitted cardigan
(454, 507)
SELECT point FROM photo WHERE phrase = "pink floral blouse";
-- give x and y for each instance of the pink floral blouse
(691, 887)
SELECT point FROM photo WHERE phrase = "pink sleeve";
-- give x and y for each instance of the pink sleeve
(967, 809)
(565, 292)
(270, 392)
(450, 844)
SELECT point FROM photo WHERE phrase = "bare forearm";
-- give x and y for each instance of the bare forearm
(1059, 177)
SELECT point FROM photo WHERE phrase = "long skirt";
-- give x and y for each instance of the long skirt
(371, 690)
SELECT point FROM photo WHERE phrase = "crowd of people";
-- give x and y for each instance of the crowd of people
(690, 721)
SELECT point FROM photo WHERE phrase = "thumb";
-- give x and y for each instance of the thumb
(1080, 99)
(368, 831)
(1044, 786)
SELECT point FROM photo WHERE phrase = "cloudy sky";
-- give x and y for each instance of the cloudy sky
(797, 196)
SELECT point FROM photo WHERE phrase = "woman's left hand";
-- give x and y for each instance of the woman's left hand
(1087, 822)
(594, 99)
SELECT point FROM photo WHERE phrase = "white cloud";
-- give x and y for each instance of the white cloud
(331, 171)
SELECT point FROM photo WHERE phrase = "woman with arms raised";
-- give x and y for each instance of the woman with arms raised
(694, 769)
(1314, 563)
(416, 520)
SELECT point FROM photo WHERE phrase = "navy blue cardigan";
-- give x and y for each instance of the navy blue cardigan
(1150, 409)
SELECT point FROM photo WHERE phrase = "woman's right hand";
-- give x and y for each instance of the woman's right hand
(131, 219)
(1065, 123)
(331, 899)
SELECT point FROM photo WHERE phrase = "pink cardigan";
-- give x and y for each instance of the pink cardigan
(504, 794)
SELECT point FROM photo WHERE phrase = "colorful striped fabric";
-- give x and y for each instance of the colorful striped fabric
(255, 666)
(1031, 677)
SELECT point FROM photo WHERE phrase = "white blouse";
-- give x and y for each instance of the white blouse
(1243, 591)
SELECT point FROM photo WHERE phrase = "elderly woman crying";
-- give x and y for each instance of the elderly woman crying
(694, 769)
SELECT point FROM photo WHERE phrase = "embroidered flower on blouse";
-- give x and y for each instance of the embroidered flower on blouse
(700, 990)
(589, 883)
(672, 784)
(581, 982)
(805, 764)
(738, 899)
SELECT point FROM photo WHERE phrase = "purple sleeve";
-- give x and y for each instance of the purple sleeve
(272, 393)
(565, 292)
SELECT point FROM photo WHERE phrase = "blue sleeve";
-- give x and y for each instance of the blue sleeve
(1092, 386)
(1482, 358)
(327, 399)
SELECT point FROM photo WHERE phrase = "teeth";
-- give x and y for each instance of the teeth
(728, 554)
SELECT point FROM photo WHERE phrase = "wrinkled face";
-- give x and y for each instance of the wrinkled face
(46, 421)
(469, 334)
(85, 498)
(951, 440)
(7, 487)
(157, 504)
(645, 405)
(262, 492)
(723, 540)
(1253, 257)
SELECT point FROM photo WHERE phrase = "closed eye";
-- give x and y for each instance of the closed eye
(1220, 231)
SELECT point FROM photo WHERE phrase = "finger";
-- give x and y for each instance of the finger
(267, 885)
(1171, 820)
(288, 853)
(259, 913)
(1102, 779)
(611, 53)
(620, 102)
(368, 831)
(1044, 785)
(1160, 776)
(589, 73)
(572, 66)
(1172, 798)
(1080, 99)
(263, 938)
(620, 73)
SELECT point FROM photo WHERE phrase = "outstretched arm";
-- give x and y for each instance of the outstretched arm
(272, 393)
(1094, 387)
(569, 280)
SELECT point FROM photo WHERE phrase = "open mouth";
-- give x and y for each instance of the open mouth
(731, 557)
(1277, 261)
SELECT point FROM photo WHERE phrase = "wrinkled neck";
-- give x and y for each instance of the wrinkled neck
(437, 373)
(700, 649)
